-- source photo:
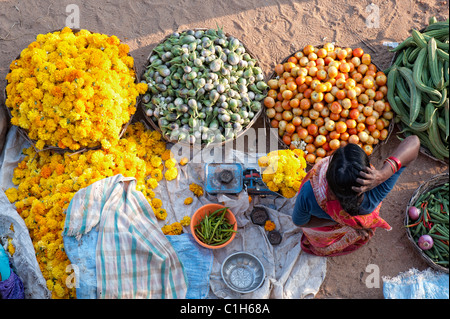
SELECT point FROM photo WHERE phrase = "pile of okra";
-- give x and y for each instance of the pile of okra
(214, 229)
(434, 221)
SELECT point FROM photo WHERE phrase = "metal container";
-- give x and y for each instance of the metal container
(243, 272)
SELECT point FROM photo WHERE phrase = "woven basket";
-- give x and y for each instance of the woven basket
(280, 140)
(24, 133)
(425, 187)
(156, 127)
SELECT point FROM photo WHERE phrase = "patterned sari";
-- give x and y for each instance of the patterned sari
(342, 238)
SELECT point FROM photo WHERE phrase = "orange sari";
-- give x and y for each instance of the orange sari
(342, 238)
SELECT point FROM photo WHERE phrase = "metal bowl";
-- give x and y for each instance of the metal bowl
(243, 272)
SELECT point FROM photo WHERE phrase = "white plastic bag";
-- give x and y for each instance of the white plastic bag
(415, 284)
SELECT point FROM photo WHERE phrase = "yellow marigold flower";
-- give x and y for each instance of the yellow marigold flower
(40, 144)
(59, 290)
(156, 203)
(288, 192)
(196, 189)
(166, 155)
(11, 248)
(263, 161)
(184, 161)
(269, 225)
(170, 163)
(186, 221)
(142, 88)
(157, 174)
(50, 285)
(160, 213)
(188, 201)
(173, 229)
(12, 194)
(166, 229)
(152, 183)
(156, 161)
(171, 174)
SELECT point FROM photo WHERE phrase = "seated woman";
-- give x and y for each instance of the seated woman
(339, 201)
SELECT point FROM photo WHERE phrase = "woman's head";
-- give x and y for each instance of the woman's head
(343, 170)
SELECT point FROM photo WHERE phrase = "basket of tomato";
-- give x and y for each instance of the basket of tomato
(321, 98)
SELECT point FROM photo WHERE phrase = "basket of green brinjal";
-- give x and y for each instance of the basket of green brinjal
(418, 87)
(427, 221)
(204, 88)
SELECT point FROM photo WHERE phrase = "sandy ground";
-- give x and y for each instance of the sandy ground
(271, 30)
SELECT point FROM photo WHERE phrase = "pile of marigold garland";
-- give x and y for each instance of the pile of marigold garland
(73, 90)
(48, 180)
(77, 91)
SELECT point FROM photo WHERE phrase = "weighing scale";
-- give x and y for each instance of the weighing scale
(232, 178)
(222, 178)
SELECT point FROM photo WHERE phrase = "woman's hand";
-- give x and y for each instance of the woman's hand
(365, 233)
(370, 178)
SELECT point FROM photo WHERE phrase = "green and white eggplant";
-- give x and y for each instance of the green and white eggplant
(203, 86)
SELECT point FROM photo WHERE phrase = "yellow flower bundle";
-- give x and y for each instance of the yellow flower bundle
(73, 90)
(283, 171)
(47, 181)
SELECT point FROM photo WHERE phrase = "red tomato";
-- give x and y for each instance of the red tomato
(354, 139)
(312, 129)
(341, 127)
(320, 140)
(358, 52)
(302, 133)
(330, 125)
(334, 144)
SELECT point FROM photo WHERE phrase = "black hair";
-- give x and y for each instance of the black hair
(342, 172)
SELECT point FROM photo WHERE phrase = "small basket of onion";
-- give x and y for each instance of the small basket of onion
(427, 221)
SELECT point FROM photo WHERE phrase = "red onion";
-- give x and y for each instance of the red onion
(425, 242)
(413, 213)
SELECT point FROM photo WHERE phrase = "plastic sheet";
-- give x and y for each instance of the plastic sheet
(415, 284)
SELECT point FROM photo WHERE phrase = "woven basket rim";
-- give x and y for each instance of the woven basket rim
(24, 133)
(431, 183)
(280, 140)
(197, 145)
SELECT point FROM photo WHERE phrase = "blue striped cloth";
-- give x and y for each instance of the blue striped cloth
(133, 257)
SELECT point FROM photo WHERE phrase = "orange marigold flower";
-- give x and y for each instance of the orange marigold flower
(46, 171)
(269, 226)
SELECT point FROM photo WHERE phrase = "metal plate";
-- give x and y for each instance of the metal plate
(243, 272)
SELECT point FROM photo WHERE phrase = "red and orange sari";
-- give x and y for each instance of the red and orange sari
(342, 238)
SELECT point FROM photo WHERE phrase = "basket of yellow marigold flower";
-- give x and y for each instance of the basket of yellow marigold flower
(283, 171)
(72, 90)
